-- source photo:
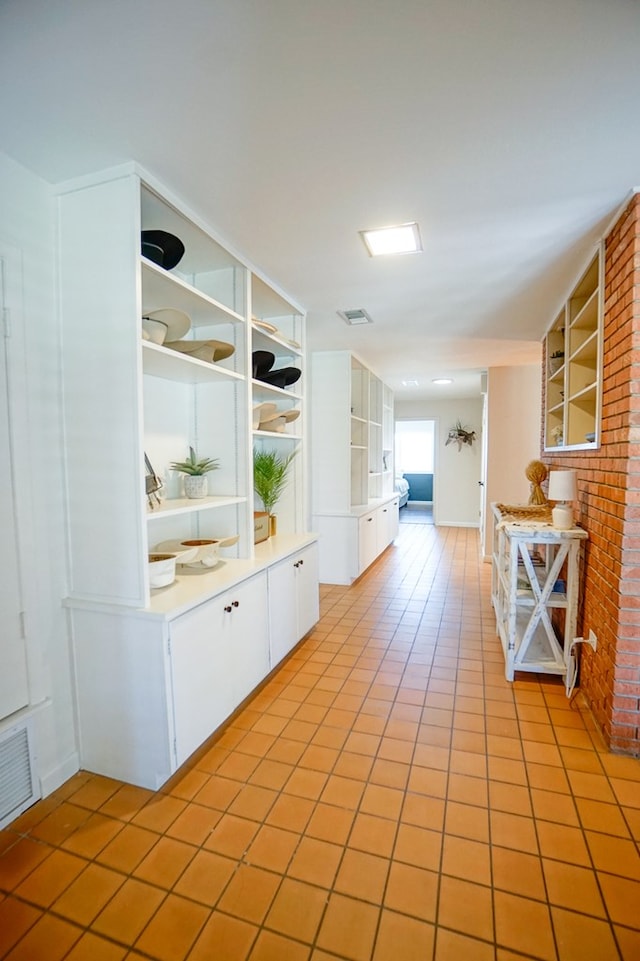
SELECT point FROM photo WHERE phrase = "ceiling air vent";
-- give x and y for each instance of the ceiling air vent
(355, 316)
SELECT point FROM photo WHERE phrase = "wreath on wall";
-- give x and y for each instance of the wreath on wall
(460, 435)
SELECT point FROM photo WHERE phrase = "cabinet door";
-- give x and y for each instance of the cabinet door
(307, 596)
(201, 671)
(387, 524)
(283, 614)
(219, 653)
(367, 540)
(293, 600)
(248, 631)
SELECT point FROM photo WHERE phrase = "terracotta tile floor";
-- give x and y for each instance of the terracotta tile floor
(387, 795)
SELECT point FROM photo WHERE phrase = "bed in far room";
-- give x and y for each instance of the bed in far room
(401, 487)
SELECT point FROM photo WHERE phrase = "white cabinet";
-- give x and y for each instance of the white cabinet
(367, 540)
(535, 585)
(573, 365)
(350, 543)
(293, 600)
(376, 530)
(150, 690)
(388, 523)
(352, 464)
(219, 652)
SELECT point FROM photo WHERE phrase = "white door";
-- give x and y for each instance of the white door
(14, 691)
(482, 483)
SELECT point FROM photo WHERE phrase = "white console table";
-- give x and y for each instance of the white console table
(535, 588)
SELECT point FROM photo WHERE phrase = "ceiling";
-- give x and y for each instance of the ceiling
(508, 129)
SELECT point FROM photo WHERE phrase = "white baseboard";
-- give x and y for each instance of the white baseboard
(458, 524)
(52, 780)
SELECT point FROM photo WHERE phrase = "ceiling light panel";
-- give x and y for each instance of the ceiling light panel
(401, 239)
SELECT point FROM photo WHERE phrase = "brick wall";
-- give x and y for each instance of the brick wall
(609, 502)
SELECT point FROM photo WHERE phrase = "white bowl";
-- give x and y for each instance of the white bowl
(154, 330)
(206, 552)
(162, 570)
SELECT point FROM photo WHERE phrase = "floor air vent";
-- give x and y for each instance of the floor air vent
(17, 779)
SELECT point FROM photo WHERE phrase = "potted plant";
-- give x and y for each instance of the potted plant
(195, 470)
(270, 471)
(557, 434)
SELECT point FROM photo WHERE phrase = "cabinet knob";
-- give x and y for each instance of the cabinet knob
(228, 608)
(300, 563)
(235, 603)
(369, 519)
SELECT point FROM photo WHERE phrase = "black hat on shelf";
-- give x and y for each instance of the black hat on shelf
(262, 362)
(164, 249)
(281, 378)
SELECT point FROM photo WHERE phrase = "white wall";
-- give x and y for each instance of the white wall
(27, 229)
(514, 404)
(456, 491)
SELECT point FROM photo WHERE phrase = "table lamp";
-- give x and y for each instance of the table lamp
(562, 488)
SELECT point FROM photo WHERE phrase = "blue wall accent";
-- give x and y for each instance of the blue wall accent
(420, 487)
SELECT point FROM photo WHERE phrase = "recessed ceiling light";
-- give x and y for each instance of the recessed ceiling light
(401, 239)
(442, 380)
(409, 383)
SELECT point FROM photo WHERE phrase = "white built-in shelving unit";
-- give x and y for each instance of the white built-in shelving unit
(354, 507)
(158, 670)
(573, 358)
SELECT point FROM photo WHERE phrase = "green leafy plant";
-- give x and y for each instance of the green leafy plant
(270, 471)
(195, 467)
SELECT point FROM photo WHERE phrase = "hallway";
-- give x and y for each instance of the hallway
(387, 795)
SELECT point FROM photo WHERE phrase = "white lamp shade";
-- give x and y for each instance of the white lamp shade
(562, 485)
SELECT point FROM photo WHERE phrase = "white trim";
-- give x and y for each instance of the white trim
(53, 779)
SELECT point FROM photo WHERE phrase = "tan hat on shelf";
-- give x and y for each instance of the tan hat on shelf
(261, 412)
(277, 420)
(165, 324)
(209, 350)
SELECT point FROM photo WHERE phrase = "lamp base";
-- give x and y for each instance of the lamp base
(562, 516)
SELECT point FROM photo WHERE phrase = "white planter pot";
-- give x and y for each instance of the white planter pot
(195, 486)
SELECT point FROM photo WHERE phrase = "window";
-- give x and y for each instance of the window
(415, 446)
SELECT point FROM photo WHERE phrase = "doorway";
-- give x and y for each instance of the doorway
(415, 462)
